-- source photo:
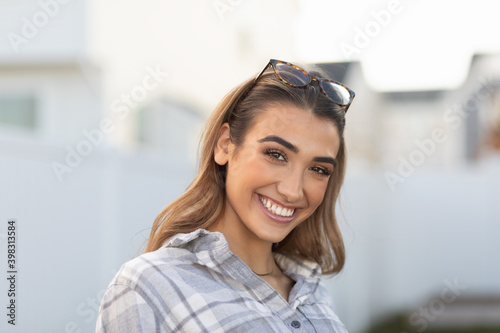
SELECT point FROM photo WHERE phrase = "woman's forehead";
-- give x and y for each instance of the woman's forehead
(284, 117)
(296, 125)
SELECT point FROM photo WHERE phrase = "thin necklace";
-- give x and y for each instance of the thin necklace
(266, 274)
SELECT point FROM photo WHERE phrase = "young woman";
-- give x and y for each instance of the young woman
(244, 248)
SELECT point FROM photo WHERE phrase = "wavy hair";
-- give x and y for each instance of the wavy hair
(318, 238)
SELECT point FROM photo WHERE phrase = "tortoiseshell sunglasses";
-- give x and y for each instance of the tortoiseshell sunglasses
(295, 76)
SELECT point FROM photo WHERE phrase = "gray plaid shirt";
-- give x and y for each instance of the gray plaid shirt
(194, 283)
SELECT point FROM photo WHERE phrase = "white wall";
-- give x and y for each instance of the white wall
(74, 235)
(401, 246)
(42, 29)
(66, 100)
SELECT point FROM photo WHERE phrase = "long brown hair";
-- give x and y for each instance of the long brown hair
(318, 238)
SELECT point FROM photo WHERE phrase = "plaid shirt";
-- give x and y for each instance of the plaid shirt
(194, 283)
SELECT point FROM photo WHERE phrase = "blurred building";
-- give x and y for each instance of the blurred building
(418, 206)
(451, 127)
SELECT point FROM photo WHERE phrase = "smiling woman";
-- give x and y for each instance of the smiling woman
(244, 248)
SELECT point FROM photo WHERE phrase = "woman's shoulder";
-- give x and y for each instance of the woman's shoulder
(150, 266)
(148, 286)
(183, 254)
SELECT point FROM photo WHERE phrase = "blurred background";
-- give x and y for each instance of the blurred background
(102, 103)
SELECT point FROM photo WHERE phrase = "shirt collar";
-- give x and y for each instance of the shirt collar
(207, 245)
(293, 266)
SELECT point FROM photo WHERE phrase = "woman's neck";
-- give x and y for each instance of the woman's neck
(257, 255)
(254, 252)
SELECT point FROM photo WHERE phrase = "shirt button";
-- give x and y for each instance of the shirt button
(296, 324)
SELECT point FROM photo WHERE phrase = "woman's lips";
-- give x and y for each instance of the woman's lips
(268, 206)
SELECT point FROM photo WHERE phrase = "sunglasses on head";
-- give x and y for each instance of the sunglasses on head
(295, 76)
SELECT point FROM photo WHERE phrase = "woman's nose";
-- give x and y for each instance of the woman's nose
(292, 186)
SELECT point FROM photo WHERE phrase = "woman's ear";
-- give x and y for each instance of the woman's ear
(221, 151)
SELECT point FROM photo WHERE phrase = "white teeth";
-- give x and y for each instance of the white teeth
(275, 209)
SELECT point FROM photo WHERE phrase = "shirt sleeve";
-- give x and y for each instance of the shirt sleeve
(123, 310)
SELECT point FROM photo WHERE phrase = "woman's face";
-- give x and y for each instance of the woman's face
(279, 175)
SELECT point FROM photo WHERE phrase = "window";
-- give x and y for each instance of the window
(18, 110)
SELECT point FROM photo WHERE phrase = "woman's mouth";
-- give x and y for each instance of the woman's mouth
(275, 210)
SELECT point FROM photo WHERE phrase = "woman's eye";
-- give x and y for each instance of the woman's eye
(276, 155)
(322, 171)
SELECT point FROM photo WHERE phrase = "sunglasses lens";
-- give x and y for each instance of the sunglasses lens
(292, 75)
(336, 92)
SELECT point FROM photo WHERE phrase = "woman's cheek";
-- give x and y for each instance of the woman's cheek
(317, 193)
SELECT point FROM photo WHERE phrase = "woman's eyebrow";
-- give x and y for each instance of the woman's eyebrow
(325, 160)
(281, 141)
(290, 146)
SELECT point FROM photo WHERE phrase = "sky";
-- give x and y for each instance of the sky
(402, 45)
